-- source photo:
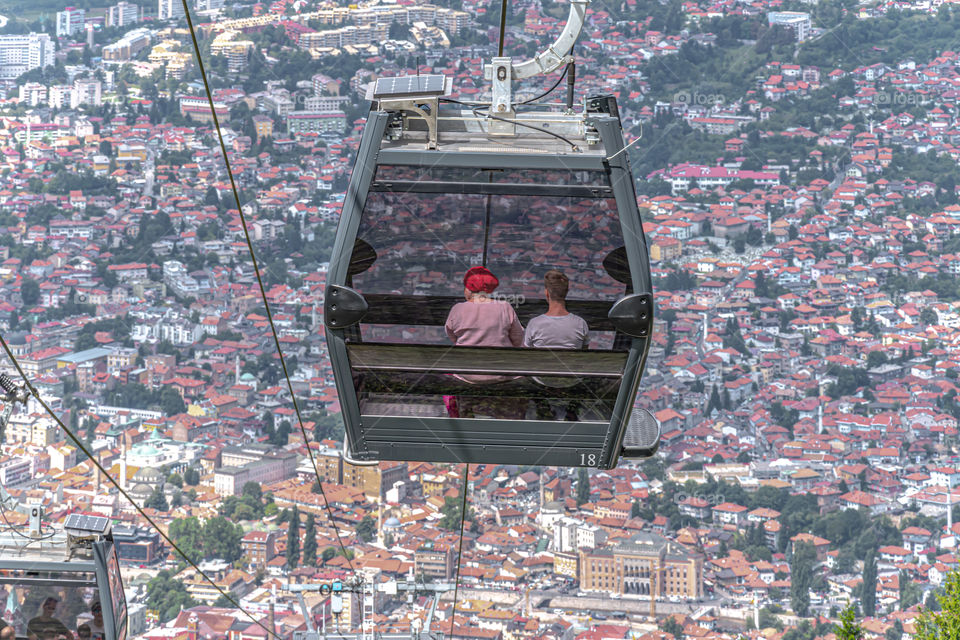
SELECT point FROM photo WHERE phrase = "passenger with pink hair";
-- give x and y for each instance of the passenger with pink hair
(481, 321)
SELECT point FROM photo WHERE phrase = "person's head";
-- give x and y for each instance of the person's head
(49, 606)
(97, 610)
(557, 285)
(83, 631)
(479, 281)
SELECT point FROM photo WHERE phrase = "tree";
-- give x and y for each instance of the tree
(191, 476)
(157, 500)
(29, 292)
(176, 480)
(221, 539)
(671, 626)
(367, 527)
(714, 404)
(168, 595)
(212, 197)
(801, 577)
(171, 402)
(188, 534)
(310, 542)
(937, 625)
(451, 515)
(910, 592)
(282, 434)
(253, 491)
(868, 599)
(293, 539)
(583, 486)
(848, 629)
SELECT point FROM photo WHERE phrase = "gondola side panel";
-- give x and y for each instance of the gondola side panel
(110, 584)
(621, 179)
(347, 230)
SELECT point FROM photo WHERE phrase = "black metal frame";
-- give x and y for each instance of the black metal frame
(445, 439)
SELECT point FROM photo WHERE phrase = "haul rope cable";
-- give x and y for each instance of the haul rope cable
(463, 515)
(263, 291)
(83, 448)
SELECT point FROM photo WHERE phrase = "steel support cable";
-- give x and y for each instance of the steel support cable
(83, 448)
(263, 291)
(463, 515)
(503, 26)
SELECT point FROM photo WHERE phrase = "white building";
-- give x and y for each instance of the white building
(169, 9)
(122, 14)
(21, 53)
(565, 535)
(798, 21)
(590, 536)
(33, 94)
(70, 21)
(86, 91)
(60, 96)
(17, 471)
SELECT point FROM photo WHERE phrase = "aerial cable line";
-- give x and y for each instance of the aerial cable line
(463, 515)
(503, 27)
(83, 448)
(263, 291)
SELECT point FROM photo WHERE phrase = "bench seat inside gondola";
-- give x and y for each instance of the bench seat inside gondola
(410, 380)
(547, 373)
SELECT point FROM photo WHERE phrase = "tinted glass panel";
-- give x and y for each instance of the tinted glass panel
(460, 174)
(69, 599)
(424, 242)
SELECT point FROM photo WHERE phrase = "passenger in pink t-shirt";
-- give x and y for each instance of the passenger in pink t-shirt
(481, 321)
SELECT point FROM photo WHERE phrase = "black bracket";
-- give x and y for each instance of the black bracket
(633, 315)
(343, 307)
(604, 103)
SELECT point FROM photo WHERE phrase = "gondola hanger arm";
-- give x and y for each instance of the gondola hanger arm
(557, 54)
(502, 71)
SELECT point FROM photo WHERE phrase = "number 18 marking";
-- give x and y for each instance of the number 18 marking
(589, 459)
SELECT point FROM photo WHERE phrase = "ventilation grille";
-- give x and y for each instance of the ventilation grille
(643, 434)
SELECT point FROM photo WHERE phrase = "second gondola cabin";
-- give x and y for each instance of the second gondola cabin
(440, 186)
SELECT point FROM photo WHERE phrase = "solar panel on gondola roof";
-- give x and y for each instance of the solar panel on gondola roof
(425, 85)
(86, 523)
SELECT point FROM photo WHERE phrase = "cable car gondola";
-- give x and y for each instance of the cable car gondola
(54, 581)
(440, 186)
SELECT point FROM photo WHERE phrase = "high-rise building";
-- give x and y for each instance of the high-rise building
(21, 53)
(128, 46)
(123, 14)
(169, 9)
(70, 21)
(797, 21)
(33, 94)
(86, 91)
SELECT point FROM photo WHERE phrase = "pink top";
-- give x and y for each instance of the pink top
(484, 324)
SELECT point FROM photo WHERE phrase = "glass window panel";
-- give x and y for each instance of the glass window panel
(423, 242)
(23, 594)
(531, 235)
